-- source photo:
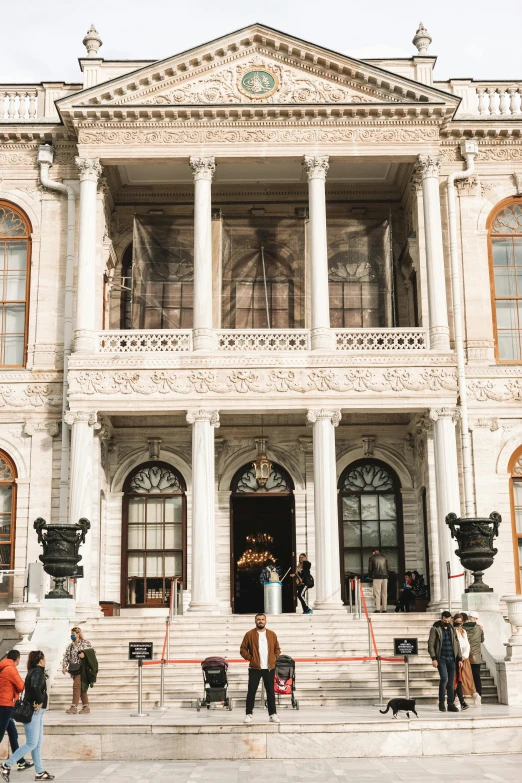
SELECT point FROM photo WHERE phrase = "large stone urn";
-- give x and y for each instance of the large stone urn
(25, 620)
(476, 551)
(61, 544)
(514, 643)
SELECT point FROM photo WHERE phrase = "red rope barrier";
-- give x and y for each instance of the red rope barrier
(297, 660)
(455, 576)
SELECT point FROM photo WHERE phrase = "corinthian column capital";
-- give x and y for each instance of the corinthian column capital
(203, 168)
(314, 415)
(445, 413)
(78, 417)
(428, 165)
(316, 166)
(203, 415)
(88, 168)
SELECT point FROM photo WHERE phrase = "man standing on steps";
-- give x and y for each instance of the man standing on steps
(378, 571)
(261, 648)
(445, 654)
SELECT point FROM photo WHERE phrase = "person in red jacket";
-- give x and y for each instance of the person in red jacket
(11, 685)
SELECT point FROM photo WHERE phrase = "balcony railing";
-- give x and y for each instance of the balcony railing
(381, 340)
(261, 340)
(18, 104)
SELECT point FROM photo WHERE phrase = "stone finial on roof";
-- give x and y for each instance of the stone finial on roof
(422, 39)
(92, 41)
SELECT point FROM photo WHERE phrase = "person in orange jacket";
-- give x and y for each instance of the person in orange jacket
(11, 685)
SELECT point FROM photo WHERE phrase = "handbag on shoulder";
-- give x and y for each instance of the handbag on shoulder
(23, 711)
(74, 669)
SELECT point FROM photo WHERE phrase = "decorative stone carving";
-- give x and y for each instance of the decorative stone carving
(422, 39)
(445, 413)
(368, 442)
(203, 168)
(92, 41)
(88, 168)
(429, 165)
(32, 427)
(203, 415)
(316, 167)
(76, 417)
(314, 415)
(33, 395)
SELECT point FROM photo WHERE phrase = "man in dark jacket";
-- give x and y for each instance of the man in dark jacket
(261, 648)
(378, 571)
(444, 651)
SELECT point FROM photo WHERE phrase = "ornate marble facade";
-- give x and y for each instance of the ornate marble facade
(264, 127)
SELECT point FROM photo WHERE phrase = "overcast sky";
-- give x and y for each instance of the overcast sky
(41, 41)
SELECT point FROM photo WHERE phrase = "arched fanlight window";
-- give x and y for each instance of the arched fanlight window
(370, 515)
(505, 232)
(15, 257)
(515, 468)
(154, 540)
(245, 482)
(7, 517)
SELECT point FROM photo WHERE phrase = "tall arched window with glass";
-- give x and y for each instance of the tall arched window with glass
(15, 234)
(506, 270)
(7, 523)
(154, 541)
(516, 515)
(369, 517)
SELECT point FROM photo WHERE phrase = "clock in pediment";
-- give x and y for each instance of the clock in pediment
(257, 82)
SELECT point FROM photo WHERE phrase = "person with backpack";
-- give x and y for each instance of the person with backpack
(304, 581)
(11, 686)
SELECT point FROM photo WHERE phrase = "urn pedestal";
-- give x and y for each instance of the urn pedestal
(514, 643)
(61, 544)
(476, 551)
(25, 622)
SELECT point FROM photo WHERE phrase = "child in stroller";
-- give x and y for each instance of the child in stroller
(215, 683)
(284, 679)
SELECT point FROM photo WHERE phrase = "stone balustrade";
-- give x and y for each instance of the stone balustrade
(499, 99)
(18, 104)
(272, 340)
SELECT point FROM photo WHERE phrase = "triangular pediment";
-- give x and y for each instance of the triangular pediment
(256, 66)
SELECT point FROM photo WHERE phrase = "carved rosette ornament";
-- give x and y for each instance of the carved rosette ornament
(203, 168)
(61, 544)
(316, 167)
(89, 169)
(476, 551)
(428, 165)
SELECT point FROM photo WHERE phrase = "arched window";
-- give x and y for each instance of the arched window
(515, 468)
(505, 232)
(370, 515)
(15, 256)
(7, 515)
(154, 540)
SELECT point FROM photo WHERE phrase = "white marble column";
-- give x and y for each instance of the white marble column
(203, 587)
(80, 499)
(316, 168)
(90, 170)
(428, 166)
(448, 499)
(327, 567)
(203, 335)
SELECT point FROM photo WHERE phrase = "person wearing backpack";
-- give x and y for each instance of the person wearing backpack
(304, 581)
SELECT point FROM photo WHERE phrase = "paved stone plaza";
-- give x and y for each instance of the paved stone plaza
(503, 769)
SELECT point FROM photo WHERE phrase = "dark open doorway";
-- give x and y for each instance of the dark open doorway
(261, 521)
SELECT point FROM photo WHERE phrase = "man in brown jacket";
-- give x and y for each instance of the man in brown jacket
(261, 648)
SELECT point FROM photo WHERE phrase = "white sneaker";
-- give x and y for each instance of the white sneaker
(248, 719)
(477, 700)
(274, 719)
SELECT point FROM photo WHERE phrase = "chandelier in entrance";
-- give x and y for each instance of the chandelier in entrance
(257, 552)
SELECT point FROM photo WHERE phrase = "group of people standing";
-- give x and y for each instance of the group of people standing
(34, 690)
(454, 646)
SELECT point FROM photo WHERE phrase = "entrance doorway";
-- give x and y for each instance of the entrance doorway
(262, 527)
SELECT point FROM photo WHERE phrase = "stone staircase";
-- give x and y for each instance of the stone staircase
(316, 636)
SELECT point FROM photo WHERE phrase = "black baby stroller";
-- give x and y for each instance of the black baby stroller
(284, 679)
(215, 683)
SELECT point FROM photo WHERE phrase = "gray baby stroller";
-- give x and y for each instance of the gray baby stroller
(215, 683)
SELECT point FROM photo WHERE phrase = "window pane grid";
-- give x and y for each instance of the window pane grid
(13, 283)
(507, 274)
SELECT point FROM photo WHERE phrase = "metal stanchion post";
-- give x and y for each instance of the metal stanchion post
(448, 570)
(140, 713)
(168, 639)
(369, 637)
(407, 676)
(379, 676)
(359, 600)
(161, 706)
(350, 583)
